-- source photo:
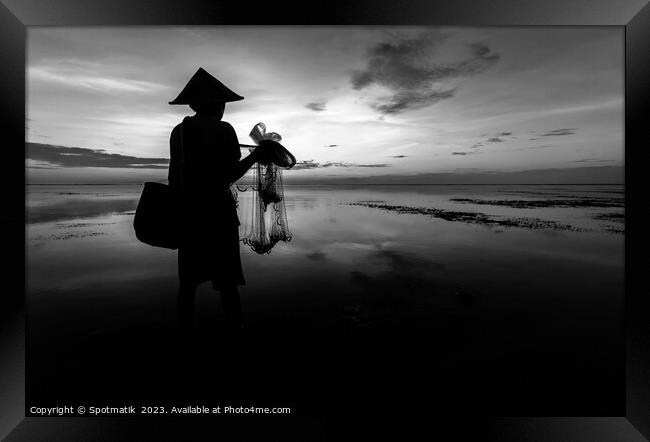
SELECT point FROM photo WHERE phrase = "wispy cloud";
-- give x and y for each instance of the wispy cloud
(48, 156)
(307, 164)
(488, 139)
(311, 164)
(35, 164)
(317, 106)
(414, 72)
(75, 77)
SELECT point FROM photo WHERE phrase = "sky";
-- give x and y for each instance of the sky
(348, 101)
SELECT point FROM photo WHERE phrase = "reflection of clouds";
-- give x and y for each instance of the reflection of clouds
(371, 262)
(78, 208)
(400, 282)
(303, 203)
(348, 245)
(36, 245)
(393, 270)
(316, 256)
(401, 263)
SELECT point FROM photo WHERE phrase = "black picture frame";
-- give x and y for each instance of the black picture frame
(17, 15)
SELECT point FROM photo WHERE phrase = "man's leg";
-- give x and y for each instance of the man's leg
(232, 307)
(185, 307)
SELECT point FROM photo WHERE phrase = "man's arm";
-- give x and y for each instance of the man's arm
(240, 167)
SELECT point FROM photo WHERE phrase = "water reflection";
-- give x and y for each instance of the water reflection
(353, 277)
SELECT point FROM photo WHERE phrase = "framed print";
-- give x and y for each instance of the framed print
(283, 222)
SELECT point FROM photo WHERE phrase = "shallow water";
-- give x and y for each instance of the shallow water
(478, 293)
(77, 233)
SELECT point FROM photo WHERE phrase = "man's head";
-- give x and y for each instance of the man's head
(212, 108)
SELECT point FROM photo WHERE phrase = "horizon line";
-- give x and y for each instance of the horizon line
(354, 184)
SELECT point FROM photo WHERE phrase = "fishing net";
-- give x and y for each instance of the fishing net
(265, 216)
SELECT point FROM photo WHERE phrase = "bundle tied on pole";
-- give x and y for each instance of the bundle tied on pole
(266, 223)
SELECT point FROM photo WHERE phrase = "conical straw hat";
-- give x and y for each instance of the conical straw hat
(204, 88)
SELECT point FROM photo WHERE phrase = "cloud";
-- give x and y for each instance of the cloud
(60, 156)
(414, 72)
(73, 77)
(559, 132)
(35, 164)
(308, 164)
(311, 164)
(490, 139)
(498, 138)
(412, 100)
(592, 160)
(317, 106)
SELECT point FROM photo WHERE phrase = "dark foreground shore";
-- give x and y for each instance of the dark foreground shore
(453, 352)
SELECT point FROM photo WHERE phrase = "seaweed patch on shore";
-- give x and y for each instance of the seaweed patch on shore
(475, 217)
(613, 217)
(618, 218)
(534, 204)
(72, 231)
(77, 225)
(66, 236)
(614, 229)
(361, 202)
